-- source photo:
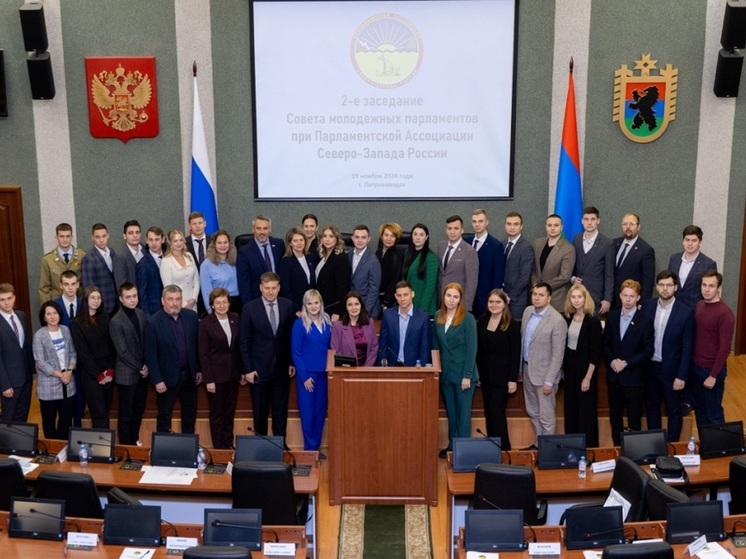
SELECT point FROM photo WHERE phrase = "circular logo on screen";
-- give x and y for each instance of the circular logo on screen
(387, 50)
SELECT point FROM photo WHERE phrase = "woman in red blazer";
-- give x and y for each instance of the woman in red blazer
(355, 333)
(220, 361)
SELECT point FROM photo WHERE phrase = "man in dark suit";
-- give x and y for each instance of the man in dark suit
(125, 264)
(491, 254)
(366, 271)
(266, 324)
(98, 265)
(594, 261)
(148, 273)
(196, 243)
(418, 338)
(171, 358)
(519, 265)
(127, 329)
(689, 266)
(628, 346)
(458, 262)
(70, 304)
(261, 255)
(668, 370)
(634, 258)
(16, 358)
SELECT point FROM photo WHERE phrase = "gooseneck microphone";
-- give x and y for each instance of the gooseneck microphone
(494, 442)
(273, 443)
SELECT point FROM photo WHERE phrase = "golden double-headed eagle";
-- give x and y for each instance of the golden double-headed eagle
(122, 97)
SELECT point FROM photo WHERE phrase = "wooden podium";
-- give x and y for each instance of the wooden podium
(383, 434)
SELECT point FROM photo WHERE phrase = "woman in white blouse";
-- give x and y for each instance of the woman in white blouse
(178, 268)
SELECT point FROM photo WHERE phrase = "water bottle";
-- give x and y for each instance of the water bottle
(83, 456)
(201, 461)
(582, 465)
(691, 448)
(418, 364)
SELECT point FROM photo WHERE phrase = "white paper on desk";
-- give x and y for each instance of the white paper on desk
(136, 553)
(163, 475)
(26, 464)
(615, 499)
(591, 554)
(713, 550)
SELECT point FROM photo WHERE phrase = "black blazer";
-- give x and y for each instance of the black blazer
(334, 282)
(94, 346)
(498, 352)
(636, 348)
(149, 284)
(16, 362)
(391, 265)
(638, 265)
(589, 348)
(220, 361)
(161, 353)
(691, 292)
(293, 280)
(192, 248)
(261, 350)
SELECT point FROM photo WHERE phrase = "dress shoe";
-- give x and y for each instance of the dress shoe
(532, 447)
(686, 409)
(442, 453)
(322, 456)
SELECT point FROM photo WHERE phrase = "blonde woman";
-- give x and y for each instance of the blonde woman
(178, 268)
(333, 271)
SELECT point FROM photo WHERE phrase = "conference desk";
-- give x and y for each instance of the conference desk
(21, 548)
(565, 485)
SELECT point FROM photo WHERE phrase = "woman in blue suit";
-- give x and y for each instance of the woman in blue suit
(456, 338)
(311, 335)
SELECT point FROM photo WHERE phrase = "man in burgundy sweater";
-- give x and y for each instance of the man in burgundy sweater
(715, 323)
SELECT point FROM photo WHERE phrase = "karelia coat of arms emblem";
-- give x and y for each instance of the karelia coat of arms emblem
(122, 97)
(644, 104)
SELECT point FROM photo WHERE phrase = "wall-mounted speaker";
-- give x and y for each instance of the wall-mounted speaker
(734, 25)
(3, 94)
(34, 27)
(40, 76)
(728, 73)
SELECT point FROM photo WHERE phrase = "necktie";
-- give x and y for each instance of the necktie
(200, 251)
(622, 255)
(15, 328)
(476, 244)
(508, 249)
(267, 259)
(72, 311)
(447, 258)
(67, 258)
(272, 318)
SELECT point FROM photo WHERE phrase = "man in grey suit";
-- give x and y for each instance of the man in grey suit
(554, 261)
(544, 333)
(690, 265)
(127, 328)
(458, 261)
(97, 267)
(125, 263)
(366, 271)
(519, 265)
(16, 358)
(594, 261)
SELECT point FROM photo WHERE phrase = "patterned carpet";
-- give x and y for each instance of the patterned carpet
(385, 532)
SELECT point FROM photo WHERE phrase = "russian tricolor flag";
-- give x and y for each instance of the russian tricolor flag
(204, 197)
(568, 201)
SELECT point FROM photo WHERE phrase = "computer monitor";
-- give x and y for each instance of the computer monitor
(38, 519)
(721, 439)
(233, 527)
(643, 447)
(590, 527)
(19, 438)
(259, 449)
(685, 522)
(494, 530)
(175, 450)
(468, 453)
(132, 525)
(99, 442)
(558, 452)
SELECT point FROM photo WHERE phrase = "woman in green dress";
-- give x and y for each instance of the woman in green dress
(420, 269)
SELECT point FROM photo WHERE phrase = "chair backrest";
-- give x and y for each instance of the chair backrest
(267, 486)
(657, 496)
(737, 486)
(647, 550)
(77, 490)
(116, 496)
(217, 552)
(630, 481)
(242, 239)
(12, 482)
(507, 487)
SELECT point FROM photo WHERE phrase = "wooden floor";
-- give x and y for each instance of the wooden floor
(734, 403)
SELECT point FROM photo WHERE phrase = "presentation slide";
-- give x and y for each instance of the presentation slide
(383, 100)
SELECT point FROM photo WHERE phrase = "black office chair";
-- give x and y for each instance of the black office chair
(506, 486)
(269, 486)
(657, 496)
(647, 550)
(116, 496)
(737, 480)
(77, 490)
(242, 239)
(217, 552)
(630, 481)
(12, 482)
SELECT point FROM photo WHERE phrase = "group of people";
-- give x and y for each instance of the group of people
(183, 310)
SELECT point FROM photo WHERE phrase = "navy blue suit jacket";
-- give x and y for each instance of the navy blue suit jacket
(691, 292)
(149, 284)
(161, 353)
(66, 320)
(261, 350)
(491, 270)
(638, 265)
(293, 280)
(678, 339)
(16, 362)
(518, 269)
(417, 344)
(250, 266)
(636, 348)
